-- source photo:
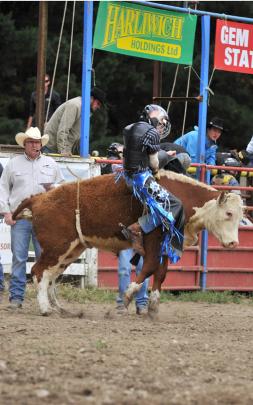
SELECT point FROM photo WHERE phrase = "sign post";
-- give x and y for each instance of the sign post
(86, 78)
(205, 48)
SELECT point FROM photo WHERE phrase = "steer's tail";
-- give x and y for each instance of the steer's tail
(24, 210)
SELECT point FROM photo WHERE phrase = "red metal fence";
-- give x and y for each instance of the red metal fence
(226, 269)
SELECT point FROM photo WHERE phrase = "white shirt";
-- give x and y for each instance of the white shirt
(249, 148)
(22, 177)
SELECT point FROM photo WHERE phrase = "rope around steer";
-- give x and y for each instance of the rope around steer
(77, 211)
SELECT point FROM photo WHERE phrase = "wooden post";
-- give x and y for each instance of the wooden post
(41, 65)
(157, 80)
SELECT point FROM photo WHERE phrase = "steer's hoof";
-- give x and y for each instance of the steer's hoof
(153, 304)
(46, 313)
(153, 312)
(127, 299)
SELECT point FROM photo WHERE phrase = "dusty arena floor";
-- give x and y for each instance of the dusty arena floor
(194, 353)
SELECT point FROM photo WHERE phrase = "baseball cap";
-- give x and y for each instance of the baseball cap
(216, 123)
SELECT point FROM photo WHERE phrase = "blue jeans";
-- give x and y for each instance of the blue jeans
(1, 277)
(124, 274)
(21, 234)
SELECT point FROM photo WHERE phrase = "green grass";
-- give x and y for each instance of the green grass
(211, 297)
(73, 294)
(101, 344)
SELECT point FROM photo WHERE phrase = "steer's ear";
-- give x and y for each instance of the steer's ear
(222, 198)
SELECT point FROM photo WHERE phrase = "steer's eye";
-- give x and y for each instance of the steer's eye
(229, 214)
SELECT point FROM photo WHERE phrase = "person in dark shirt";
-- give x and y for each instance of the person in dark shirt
(54, 103)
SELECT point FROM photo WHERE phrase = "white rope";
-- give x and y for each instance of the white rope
(173, 87)
(211, 78)
(93, 70)
(186, 102)
(56, 59)
(201, 81)
(70, 48)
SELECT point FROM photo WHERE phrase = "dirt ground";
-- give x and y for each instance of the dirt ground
(194, 353)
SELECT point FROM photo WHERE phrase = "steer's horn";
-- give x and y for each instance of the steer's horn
(222, 198)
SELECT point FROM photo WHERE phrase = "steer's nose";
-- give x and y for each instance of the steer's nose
(233, 244)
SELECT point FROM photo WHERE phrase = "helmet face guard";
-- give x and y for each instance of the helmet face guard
(155, 115)
(163, 128)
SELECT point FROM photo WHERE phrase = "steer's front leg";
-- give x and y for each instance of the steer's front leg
(133, 288)
(159, 277)
(42, 293)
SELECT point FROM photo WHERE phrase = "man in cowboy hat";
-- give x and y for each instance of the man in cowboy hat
(189, 141)
(64, 125)
(23, 176)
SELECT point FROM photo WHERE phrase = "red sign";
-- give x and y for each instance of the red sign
(234, 47)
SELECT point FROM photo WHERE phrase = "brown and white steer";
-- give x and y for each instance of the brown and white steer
(103, 205)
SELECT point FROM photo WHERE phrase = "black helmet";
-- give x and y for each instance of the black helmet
(232, 162)
(160, 121)
(116, 150)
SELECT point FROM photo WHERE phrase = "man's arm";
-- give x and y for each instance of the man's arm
(154, 162)
(182, 141)
(5, 188)
(152, 144)
(211, 155)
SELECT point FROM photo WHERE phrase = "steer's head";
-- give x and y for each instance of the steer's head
(227, 214)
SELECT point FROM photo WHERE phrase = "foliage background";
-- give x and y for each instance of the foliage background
(127, 80)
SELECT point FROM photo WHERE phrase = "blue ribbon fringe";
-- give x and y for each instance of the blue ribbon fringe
(160, 211)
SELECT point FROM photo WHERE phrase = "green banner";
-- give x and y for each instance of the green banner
(145, 32)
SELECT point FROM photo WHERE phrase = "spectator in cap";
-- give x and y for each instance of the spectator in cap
(189, 141)
(63, 127)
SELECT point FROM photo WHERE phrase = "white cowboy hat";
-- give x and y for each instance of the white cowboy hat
(31, 133)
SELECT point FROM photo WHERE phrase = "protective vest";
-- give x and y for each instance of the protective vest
(135, 156)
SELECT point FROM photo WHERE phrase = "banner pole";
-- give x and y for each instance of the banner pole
(86, 78)
(205, 48)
